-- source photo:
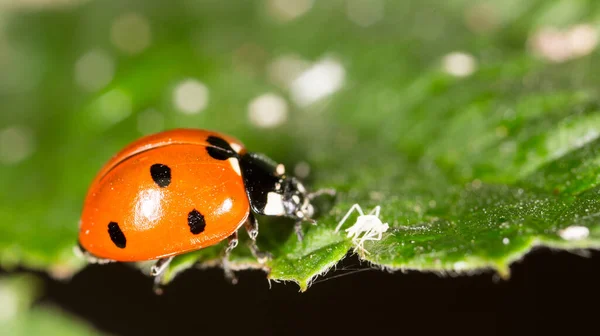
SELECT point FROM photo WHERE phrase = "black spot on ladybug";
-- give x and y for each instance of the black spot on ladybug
(161, 174)
(218, 153)
(220, 149)
(116, 235)
(219, 142)
(196, 222)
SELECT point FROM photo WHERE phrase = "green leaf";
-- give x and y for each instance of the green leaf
(470, 172)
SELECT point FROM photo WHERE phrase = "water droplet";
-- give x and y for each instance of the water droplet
(94, 70)
(482, 17)
(190, 96)
(16, 144)
(319, 81)
(505, 241)
(268, 110)
(131, 33)
(459, 64)
(583, 39)
(112, 107)
(365, 12)
(302, 169)
(476, 184)
(150, 121)
(287, 10)
(558, 45)
(21, 68)
(286, 68)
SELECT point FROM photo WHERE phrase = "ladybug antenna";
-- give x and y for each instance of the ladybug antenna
(331, 192)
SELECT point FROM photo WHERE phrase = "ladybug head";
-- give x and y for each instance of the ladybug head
(296, 200)
(271, 192)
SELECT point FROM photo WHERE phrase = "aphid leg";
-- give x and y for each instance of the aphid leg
(373, 233)
(355, 207)
(251, 226)
(158, 271)
(232, 242)
(375, 211)
(361, 243)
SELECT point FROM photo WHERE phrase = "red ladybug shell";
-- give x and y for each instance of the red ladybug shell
(164, 195)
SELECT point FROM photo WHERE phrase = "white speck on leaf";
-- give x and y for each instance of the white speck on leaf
(574, 233)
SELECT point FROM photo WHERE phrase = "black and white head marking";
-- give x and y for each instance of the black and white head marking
(271, 192)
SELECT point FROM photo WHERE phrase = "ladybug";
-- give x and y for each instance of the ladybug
(182, 190)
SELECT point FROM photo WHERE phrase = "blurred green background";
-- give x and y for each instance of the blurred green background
(395, 102)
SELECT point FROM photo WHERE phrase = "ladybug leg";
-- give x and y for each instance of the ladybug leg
(160, 266)
(251, 226)
(298, 227)
(311, 196)
(298, 230)
(232, 243)
(158, 271)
